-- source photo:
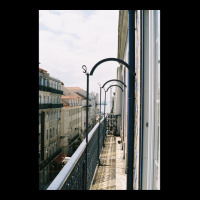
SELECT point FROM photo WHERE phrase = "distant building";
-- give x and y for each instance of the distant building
(92, 104)
(49, 126)
(71, 122)
(73, 118)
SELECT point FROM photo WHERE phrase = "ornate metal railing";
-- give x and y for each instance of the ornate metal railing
(73, 174)
(49, 89)
(50, 105)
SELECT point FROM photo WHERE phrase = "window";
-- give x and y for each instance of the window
(40, 99)
(39, 138)
(43, 99)
(41, 80)
(47, 135)
(48, 99)
(47, 152)
(46, 82)
(47, 116)
(53, 131)
(50, 133)
(50, 83)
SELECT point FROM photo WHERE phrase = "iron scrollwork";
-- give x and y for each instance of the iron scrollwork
(84, 69)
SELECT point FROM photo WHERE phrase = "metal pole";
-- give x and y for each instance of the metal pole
(104, 120)
(141, 102)
(87, 130)
(131, 99)
(100, 102)
(99, 125)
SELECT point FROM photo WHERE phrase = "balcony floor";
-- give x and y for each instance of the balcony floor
(110, 174)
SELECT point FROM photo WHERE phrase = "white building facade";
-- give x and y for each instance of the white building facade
(49, 124)
(147, 96)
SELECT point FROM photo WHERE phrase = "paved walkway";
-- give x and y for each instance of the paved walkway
(110, 174)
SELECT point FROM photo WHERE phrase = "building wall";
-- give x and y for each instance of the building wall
(151, 147)
(49, 124)
(151, 123)
(71, 126)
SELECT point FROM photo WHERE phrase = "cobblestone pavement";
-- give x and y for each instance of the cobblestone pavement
(110, 174)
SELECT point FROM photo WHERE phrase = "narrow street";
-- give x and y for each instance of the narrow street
(110, 174)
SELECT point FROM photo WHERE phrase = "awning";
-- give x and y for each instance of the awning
(60, 158)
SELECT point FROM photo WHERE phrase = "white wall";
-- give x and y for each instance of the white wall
(151, 101)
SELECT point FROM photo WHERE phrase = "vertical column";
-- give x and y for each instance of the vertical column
(86, 150)
(131, 98)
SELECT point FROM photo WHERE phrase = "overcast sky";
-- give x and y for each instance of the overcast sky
(69, 39)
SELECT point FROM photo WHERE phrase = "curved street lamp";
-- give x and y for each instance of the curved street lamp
(131, 99)
(105, 97)
(104, 107)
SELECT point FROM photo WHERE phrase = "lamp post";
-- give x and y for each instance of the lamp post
(113, 80)
(105, 95)
(130, 113)
(109, 88)
(99, 122)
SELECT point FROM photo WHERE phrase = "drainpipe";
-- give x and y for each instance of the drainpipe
(141, 102)
(131, 98)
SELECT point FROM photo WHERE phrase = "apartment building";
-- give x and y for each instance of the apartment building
(71, 124)
(73, 117)
(49, 126)
(77, 91)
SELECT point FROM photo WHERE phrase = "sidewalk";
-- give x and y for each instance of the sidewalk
(110, 174)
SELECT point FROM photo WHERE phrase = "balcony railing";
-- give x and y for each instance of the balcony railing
(50, 105)
(73, 176)
(49, 89)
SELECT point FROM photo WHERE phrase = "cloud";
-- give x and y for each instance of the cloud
(69, 39)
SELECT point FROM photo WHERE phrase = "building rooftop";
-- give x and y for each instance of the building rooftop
(73, 88)
(40, 69)
(69, 97)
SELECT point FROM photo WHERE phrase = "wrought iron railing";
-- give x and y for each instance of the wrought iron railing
(73, 174)
(49, 89)
(50, 105)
